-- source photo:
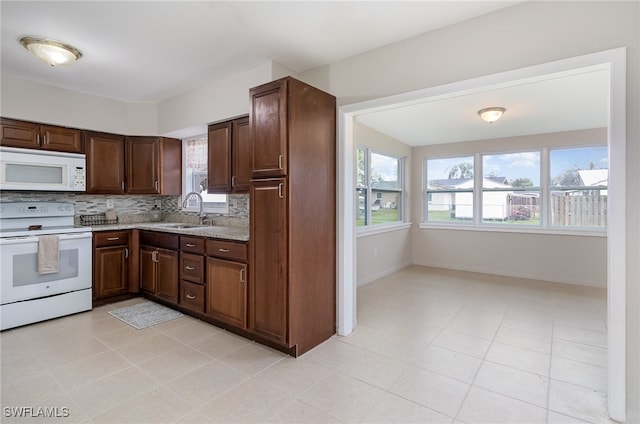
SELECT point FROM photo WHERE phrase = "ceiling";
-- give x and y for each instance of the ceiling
(565, 101)
(149, 51)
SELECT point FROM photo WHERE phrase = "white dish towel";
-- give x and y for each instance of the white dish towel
(48, 254)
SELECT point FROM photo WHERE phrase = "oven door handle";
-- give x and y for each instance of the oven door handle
(34, 239)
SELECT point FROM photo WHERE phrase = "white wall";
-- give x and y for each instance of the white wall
(527, 34)
(42, 103)
(215, 101)
(381, 254)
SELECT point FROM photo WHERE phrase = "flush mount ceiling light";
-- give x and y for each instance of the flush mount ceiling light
(491, 114)
(51, 52)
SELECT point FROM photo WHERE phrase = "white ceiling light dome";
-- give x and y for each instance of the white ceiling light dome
(491, 114)
(49, 51)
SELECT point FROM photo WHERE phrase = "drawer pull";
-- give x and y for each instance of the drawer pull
(190, 296)
(223, 250)
(190, 245)
(113, 238)
(189, 268)
(242, 275)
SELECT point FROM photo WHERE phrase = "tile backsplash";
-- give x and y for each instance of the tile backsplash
(135, 208)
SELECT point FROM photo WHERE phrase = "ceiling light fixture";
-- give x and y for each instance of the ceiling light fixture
(51, 52)
(491, 114)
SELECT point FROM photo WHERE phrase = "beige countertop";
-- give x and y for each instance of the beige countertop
(215, 231)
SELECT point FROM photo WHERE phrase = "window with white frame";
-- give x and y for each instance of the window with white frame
(545, 188)
(449, 190)
(379, 187)
(194, 165)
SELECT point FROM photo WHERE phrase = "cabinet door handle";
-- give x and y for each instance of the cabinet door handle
(126, 253)
(154, 256)
(280, 187)
(113, 238)
(223, 250)
(190, 245)
(280, 159)
(190, 296)
(156, 185)
(122, 185)
(242, 275)
(233, 181)
(38, 138)
(189, 268)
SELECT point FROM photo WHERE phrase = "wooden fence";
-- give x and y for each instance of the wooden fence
(580, 211)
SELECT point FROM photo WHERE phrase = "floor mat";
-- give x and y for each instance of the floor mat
(146, 314)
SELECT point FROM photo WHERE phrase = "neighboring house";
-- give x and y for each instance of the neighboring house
(496, 204)
(595, 178)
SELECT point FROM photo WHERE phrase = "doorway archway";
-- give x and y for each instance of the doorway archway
(615, 60)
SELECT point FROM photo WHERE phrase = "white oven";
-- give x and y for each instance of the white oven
(27, 295)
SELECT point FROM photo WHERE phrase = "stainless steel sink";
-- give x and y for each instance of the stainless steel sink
(182, 226)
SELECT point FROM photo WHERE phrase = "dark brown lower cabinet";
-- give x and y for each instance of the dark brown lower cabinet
(110, 264)
(159, 265)
(227, 291)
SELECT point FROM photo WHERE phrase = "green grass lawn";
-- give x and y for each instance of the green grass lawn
(380, 216)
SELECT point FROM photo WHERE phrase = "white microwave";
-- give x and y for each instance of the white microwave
(42, 170)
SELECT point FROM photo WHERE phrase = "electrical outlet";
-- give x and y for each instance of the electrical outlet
(233, 203)
(109, 203)
(375, 251)
(158, 203)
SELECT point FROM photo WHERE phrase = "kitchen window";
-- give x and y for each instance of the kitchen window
(547, 188)
(379, 188)
(195, 166)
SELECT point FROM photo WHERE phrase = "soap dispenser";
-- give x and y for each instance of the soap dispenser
(155, 213)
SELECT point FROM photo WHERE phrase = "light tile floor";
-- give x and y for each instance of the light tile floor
(431, 346)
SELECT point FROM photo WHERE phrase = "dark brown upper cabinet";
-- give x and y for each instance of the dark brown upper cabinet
(32, 135)
(229, 160)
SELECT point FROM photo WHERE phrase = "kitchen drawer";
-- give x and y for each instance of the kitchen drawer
(192, 244)
(111, 238)
(192, 267)
(192, 296)
(157, 239)
(227, 249)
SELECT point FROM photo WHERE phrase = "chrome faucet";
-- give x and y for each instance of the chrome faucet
(202, 215)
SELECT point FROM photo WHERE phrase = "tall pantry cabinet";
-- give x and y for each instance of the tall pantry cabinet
(292, 292)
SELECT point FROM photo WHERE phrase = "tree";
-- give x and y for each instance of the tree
(522, 182)
(569, 177)
(461, 170)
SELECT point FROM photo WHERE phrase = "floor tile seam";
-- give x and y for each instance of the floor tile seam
(110, 374)
(582, 386)
(441, 373)
(150, 357)
(577, 418)
(525, 331)
(199, 407)
(605, 367)
(512, 344)
(67, 393)
(517, 369)
(574, 327)
(219, 356)
(380, 354)
(471, 335)
(119, 404)
(386, 389)
(520, 347)
(582, 343)
(143, 336)
(511, 396)
(475, 375)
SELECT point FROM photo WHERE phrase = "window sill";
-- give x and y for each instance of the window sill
(381, 228)
(510, 229)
